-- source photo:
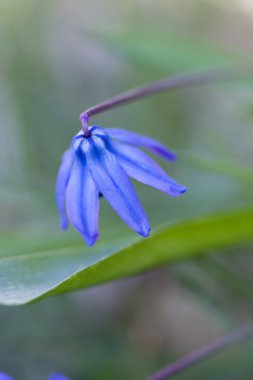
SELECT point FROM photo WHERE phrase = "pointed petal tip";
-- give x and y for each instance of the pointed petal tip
(173, 157)
(64, 225)
(91, 240)
(165, 153)
(178, 190)
(144, 231)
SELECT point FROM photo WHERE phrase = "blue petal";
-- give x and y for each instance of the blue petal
(57, 376)
(77, 137)
(61, 184)
(137, 156)
(4, 376)
(141, 167)
(133, 138)
(98, 131)
(82, 200)
(114, 184)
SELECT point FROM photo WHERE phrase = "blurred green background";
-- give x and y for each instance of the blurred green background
(60, 57)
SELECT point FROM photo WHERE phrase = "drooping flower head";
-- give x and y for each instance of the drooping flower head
(101, 163)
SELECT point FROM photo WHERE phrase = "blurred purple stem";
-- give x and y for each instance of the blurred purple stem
(202, 354)
(169, 83)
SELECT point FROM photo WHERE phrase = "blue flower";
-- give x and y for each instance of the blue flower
(54, 376)
(4, 376)
(101, 164)
(57, 376)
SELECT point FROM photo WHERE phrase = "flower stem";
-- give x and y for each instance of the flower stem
(84, 118)
(203, 353)
(168, 83)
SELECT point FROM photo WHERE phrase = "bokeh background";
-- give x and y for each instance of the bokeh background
(59, 57)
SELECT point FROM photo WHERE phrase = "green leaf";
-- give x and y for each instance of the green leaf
(30, 271)
(163, 53)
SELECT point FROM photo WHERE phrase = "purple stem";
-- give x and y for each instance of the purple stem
(169, 83)
(202, 354)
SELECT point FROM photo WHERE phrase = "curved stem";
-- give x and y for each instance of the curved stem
(168, 83)
(202, 354)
